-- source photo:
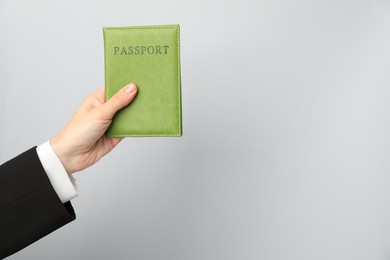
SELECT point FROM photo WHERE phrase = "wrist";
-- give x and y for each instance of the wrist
(61, 152)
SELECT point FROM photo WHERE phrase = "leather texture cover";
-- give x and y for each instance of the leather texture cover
(149, 56)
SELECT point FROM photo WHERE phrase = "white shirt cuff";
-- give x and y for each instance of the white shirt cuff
(63, 184)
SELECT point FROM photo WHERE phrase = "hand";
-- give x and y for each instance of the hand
(82, 142)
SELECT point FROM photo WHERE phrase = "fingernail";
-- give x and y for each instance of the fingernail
(130, 88)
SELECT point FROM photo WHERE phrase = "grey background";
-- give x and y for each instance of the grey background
(286, 145)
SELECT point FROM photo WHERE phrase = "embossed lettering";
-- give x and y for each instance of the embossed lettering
(116, 49)
(158, 51)
(131, 50)
(141, 50)
(166, 48)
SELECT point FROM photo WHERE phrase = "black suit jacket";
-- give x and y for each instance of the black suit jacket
(29, 207)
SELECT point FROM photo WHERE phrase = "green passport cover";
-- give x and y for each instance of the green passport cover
(150, 57)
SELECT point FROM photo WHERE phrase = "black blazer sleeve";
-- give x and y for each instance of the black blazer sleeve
(29, 207)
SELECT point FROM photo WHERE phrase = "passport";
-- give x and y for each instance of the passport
(149, 56)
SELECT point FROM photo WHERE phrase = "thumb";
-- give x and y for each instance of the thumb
(120, 99)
